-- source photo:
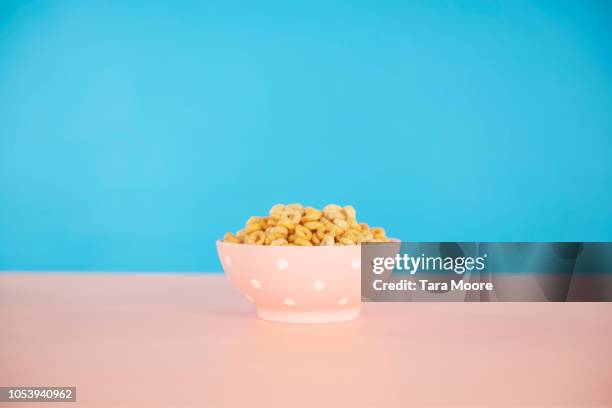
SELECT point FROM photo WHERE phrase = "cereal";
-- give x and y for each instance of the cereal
(256, 238)
(253, 220)
(287, 224)
(350, 212)
(335, 214)
(264, 223)
(279, 229)
(331, 208)
(252, 228)
(311, 214)
(291, 215)
(229, 237)
(353, 235)
(313, 225)
(341, 223)
(327, 230)
(378, 232)
(297, 207)
(303, 242)
(347, 241)
(328, 241)
(273, 237)
(276, 209)
(296, 225)
(367, 236)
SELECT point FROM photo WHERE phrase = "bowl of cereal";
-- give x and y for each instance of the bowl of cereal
(300, 264)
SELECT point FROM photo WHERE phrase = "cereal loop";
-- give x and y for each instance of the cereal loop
(328, 241)
(253, 220)
(250, 228)
(229, 237)
(303, 242)
(350, 212)
(279, 229)
(378, 232)
(327, 230)
(313, 225)
(347, 241)
(287, 224)
(256, 238)
(303, 232)
(293, 216)
(311, 214)
(341, 223)
(278, 208)
(273, 237)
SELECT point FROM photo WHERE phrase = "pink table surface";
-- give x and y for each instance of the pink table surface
(154, 340)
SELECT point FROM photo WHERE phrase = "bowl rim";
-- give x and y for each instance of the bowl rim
(221, 242)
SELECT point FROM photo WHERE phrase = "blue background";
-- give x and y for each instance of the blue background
(134, 134)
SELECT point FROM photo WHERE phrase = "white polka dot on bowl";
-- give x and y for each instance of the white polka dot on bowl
(356, 264)
(343, 301)
(282, 264)
(289, 302)
(256, 284)
(318, 285)
(250, 299)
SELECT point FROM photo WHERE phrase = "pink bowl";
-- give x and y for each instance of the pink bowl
(293, 284)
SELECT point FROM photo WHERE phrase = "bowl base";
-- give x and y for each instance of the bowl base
(308, 317)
